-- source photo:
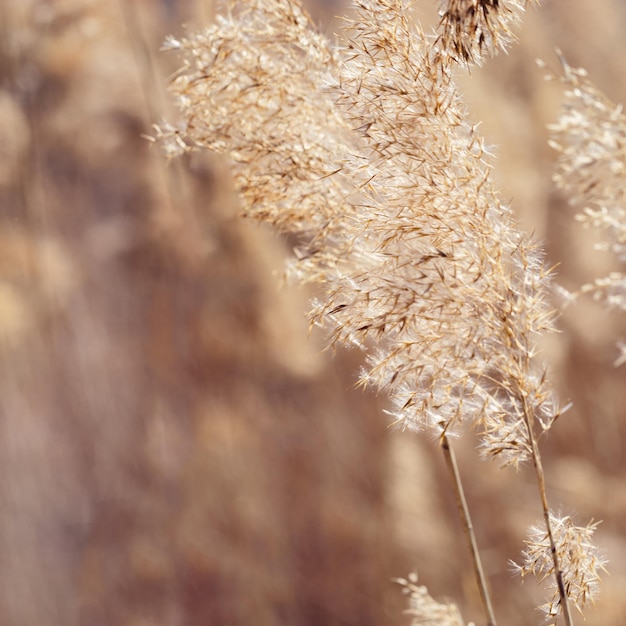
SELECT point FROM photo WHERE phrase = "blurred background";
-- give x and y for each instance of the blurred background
(175, 449)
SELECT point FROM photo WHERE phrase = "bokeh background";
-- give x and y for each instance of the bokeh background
(175, 449)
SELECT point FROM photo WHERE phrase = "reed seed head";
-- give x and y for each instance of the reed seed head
(252, 87)
(365, 153)
(580, 561)
(424, 609)
(473, 29)
(590, 137)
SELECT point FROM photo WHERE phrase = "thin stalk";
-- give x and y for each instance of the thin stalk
(541, 480)
(464, 514)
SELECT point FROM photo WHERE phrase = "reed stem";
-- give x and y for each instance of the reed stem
(541, 481)
(468, 527)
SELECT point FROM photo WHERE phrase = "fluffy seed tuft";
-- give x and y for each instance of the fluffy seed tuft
(473, 29)
(590, 137)
(580, 562)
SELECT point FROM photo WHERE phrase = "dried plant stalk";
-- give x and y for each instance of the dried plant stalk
(468, 528)
(555, 556)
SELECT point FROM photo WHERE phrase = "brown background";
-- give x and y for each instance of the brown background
(174, 449)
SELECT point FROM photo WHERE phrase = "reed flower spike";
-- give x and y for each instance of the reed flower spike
(590, 137)
(580, 562)
(250, 87)
(366, 154)
(424, 609)
(472, 29)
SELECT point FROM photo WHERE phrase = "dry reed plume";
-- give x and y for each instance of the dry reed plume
(590, 137)
(473, 28)
(579, 560)
(365, 153)
(424, 609)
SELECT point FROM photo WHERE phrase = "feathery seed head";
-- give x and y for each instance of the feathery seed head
(451, 292)
(579, 559)
(590, 137)
(365, 153)
(472, 29)
(250, 87)
(424, 609)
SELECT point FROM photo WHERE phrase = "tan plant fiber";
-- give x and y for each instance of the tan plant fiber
(364, 152)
